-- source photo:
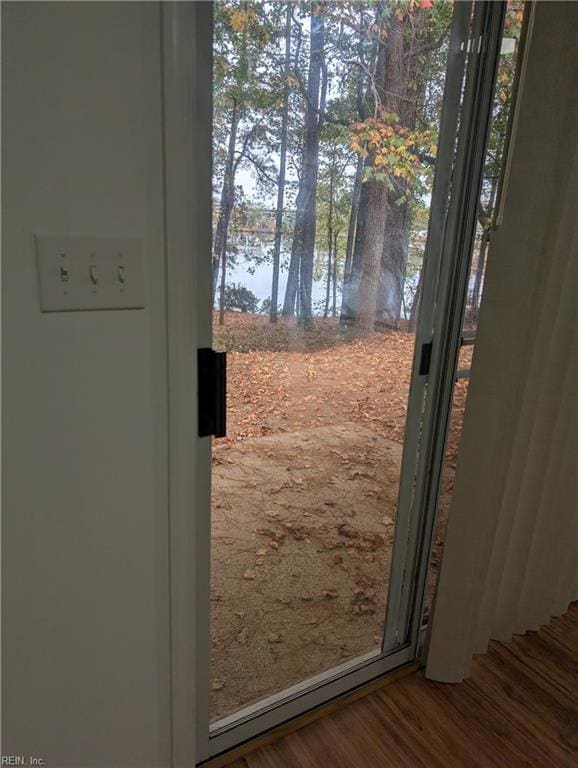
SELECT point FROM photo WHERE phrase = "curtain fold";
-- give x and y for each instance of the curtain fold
(511, 552)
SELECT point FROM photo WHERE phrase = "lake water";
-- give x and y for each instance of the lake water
(254, 270)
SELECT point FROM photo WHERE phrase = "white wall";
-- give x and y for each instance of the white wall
(85, 540)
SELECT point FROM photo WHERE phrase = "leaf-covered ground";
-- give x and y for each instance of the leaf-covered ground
(304, 500)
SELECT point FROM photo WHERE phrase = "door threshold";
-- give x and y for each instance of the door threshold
(300, 721)
(294, 691)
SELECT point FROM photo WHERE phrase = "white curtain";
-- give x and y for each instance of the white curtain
(511, 554)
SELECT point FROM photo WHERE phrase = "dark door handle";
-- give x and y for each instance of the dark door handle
(425, 359)
(212, 388)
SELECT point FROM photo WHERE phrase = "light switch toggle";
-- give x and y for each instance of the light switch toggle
(89, 272)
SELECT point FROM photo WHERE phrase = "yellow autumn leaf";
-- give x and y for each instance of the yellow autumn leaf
(238, 20)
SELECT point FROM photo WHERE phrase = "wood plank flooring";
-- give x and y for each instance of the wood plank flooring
(519, 709)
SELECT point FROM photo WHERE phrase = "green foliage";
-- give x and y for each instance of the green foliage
(265, 307)
(239, 297)
(244, 40)
(396, 154)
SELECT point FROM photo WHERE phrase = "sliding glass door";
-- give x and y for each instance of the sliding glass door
(348, 141)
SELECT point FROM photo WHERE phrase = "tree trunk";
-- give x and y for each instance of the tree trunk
(329, 243)
(355, 199)
(393, 265)
(292, 286)
(335, 239)
(226, 207)
(387, 218)
(328, 284)
(372, 248)
(282, 170)
(414, 312)
(303, 245)
(353, 249)
(357, 184)
(350, 299)
(477, 291)
(485, 218)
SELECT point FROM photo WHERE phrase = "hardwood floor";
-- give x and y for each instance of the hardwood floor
(518, 708)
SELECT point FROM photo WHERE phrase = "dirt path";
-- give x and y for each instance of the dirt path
(304, 501)
(302, 540)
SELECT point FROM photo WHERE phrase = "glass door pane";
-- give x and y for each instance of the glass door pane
(444, 323)
(326, 138)
(503, 106)
(326, 122)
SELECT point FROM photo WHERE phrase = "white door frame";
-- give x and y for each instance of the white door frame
(449, 250)
(187, 95)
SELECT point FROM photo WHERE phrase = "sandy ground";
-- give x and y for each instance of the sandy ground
(304, 504)
(301, 543)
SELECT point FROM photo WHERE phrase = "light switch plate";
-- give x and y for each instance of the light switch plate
(78, 273)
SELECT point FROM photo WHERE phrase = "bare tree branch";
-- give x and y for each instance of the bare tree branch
(427, 47)
(258, 165)
(246, 140)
